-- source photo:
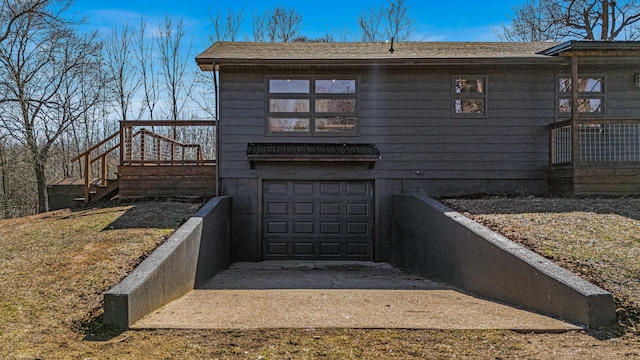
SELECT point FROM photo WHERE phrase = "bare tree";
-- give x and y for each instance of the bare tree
(534, 21)
(343, 33)
(17, 187)
(79, 96)
(177, 82)
(12, 10)
(119, 59)
(258, 27)
(278, 24)
(226, 28)
(204, 94)
(40, 60)
(324, 39)
(391, 20)
(399, 24)
(150, 85)
(287, 23)
(370, 25)
(557, 20)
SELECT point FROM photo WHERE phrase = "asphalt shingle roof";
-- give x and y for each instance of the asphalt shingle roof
(264, 51)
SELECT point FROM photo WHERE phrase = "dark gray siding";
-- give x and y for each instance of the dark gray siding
(424, 148)
(621, 93)
(409, 118)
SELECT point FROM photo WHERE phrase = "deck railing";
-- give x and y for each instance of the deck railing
(148, 143)
(167, 142)
(598, 141)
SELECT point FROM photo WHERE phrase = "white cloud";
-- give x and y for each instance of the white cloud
(480, 33)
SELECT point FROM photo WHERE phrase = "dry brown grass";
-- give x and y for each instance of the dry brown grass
(55, 267)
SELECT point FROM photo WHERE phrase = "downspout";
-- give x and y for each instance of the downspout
(217, 115)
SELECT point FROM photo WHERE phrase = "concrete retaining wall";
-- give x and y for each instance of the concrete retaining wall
(434, 241)
(194, 253)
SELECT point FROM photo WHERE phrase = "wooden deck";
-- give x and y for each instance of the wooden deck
(143, 159)
(595, 157)
(167, 181)
(587, 180)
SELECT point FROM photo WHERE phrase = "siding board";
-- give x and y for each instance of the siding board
(409, 118)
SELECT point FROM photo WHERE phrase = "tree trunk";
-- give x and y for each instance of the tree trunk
(3, 170)
(43, 196)
(605, 20)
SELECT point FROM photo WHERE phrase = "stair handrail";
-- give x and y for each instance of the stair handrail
(87, 152)
(88, 161)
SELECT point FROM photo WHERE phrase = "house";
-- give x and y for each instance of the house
(316, 138)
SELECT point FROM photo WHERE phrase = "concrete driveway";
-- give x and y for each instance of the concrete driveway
(330, 294)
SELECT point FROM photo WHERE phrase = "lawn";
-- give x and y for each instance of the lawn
(55, 268)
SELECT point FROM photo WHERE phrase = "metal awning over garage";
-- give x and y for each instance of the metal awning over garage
(303, 152)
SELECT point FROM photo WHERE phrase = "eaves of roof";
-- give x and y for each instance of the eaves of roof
(369, 54)
(615, 48)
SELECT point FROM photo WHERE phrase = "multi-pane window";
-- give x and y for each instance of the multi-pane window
(590, 96)
(312, 106)
(470, 96)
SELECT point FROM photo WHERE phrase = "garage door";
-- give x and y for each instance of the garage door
(317, 220)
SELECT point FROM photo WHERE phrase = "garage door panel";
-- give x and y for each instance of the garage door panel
(330, 228)
(303, 188)
(358, 209)
(358, 188)
(277, 208)
(277, 228)
(330, 249)
(318, 220)
(330, 189)
(303, 208)
(277, 249)
(303, 228)
(275, 188)
(304, 248)
(315, 250)
(329, 208)
(356, 249)
(358, 228)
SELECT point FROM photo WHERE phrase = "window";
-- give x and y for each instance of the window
(590, 96)
(312, 106)
(470, 96)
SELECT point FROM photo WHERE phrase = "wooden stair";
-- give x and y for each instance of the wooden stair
(69, 192)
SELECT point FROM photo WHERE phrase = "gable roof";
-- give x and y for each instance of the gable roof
(368, 53)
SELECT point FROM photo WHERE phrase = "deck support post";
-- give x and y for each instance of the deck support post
(575, 110)
(104, 170)
(87, 175)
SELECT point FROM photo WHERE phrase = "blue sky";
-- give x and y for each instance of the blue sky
(462, 20)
